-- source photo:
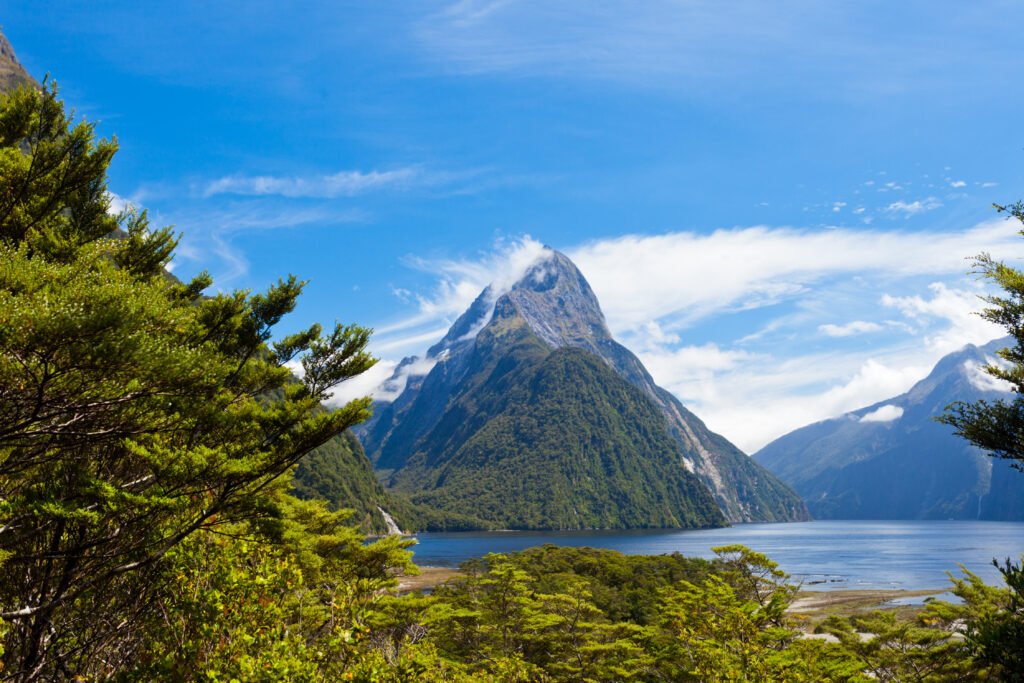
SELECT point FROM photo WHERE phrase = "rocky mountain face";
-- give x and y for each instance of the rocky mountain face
(891, 460)
(12, 73)
(485, 382)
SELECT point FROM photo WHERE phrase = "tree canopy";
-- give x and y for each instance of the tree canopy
(998, 426)
(134, 410)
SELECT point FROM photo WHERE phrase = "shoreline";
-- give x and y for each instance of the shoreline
(811, 605)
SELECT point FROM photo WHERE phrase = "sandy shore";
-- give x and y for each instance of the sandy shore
(809, 606)
(812, 607)
(427, 579)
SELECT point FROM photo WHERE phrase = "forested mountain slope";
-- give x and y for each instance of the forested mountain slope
(339, 473)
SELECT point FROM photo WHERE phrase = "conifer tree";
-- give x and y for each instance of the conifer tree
(997, 427)
(134, 410)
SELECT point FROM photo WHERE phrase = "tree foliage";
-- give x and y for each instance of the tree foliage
(133, 411)
(998, 426)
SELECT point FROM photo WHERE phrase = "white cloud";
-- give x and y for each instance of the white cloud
(688, 364)
(459, 283)
(680, 278)
(340, 184)
(913, 208)
(117, 203)
(765, 397)
(849, 329)
(982, 380)
(366, 384)
(956, 308)
(957, 183)
(886, 413)
(384, 381)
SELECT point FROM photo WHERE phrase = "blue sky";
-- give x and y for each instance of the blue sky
(773, 201)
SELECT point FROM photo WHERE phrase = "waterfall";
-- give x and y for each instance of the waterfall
(393, 529)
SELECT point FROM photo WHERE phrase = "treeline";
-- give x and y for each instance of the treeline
(149, 430)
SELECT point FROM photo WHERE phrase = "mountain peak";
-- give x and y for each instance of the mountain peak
(556, 301)
(12, 73)
(550, 268)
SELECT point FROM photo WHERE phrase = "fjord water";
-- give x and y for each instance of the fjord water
(825, 555)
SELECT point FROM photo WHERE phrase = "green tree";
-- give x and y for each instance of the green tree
(998, 426)
(994, 620)
(733, 627)
(134, 411)
(296, 609)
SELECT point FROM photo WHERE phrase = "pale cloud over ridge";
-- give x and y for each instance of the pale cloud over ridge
(886, 413)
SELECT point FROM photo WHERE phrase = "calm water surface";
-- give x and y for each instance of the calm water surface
(826, 555)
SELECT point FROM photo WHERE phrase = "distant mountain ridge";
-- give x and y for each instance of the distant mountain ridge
(515, 339)
(891, 460)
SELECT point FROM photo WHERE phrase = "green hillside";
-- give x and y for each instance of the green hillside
(339, 473)
(543, 439)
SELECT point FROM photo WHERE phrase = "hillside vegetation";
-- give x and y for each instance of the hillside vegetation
(556, 440)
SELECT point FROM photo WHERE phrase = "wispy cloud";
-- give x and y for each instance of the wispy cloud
(886, 413)
(957, 307)
(981, 379)
(914, 207)
(827, 48)
(209, 236)
(458, 283)
(680, 278)
(331, 186)
(849, 329)
(653, 42)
